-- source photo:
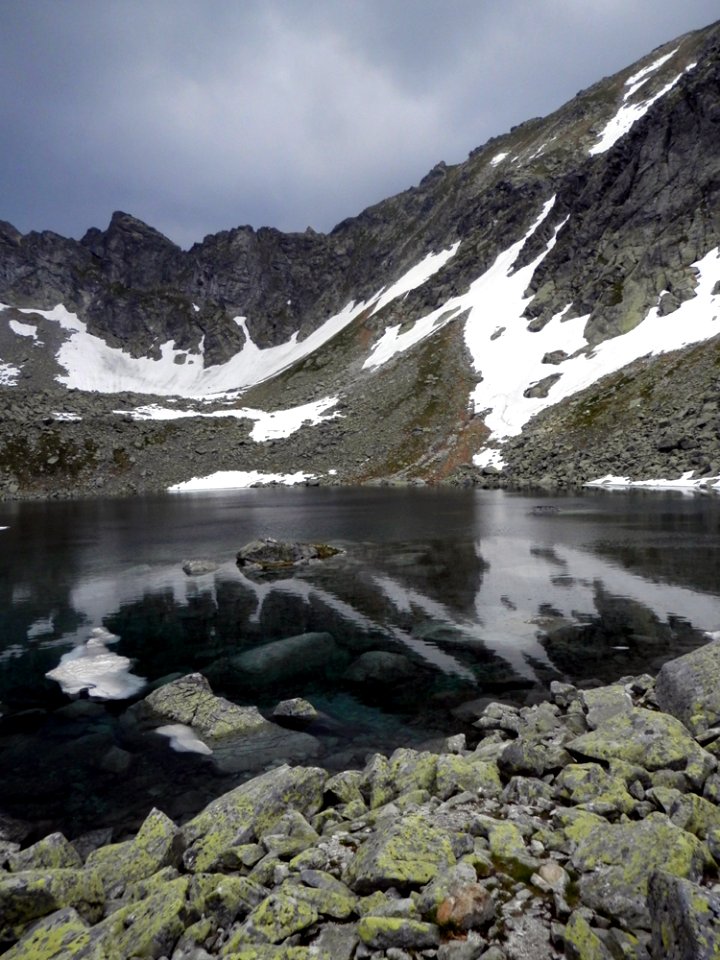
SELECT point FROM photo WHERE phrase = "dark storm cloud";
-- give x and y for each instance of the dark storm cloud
(198, 115)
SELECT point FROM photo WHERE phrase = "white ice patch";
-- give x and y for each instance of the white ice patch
(64, 417)
(630, 113)
(489, 457)
(685, 483)
(183, 739)
(392, 341)
(40, 628)
(238, 480)
(498, 158)
(23, 329)
(416, 276)
(92, 365)
(8, 374)
(92, 667)
(274, 425)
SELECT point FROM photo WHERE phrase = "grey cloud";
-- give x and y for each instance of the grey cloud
(198, 115)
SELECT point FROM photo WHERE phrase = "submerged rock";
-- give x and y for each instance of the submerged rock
(268, 554)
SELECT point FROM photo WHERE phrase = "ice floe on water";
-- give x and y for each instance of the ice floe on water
(238, 480)
(183, 739)
(92, 667)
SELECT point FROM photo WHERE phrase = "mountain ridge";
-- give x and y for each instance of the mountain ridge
(309, 314)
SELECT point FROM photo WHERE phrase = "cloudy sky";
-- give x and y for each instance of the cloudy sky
(200, 115)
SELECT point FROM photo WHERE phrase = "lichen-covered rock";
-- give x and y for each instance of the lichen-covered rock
(290, 835)
(376, 781)
(149, 927)
(268, 951)
(384, 933)
(60, 936)
(30, 894)
(582, 942)
(615, 862)
(53, 852)
(602, 703)
(685, 919)
(587, 785)
(190, 700)
(649, 739)
(507, 847)
(689, 688)
(157, 844)
(455, 774)
(278, 917)
(296, 709)
(226, 898)
(345, 786)
(412, 770)
(246, 813)
(329, 901)
(695, 814)
(401, 853)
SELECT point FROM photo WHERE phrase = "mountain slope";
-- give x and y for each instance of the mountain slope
(426, 334)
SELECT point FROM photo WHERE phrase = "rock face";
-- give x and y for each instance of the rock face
(627, 224)
(689, 688)
(449, 856)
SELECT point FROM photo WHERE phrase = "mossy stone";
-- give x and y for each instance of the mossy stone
(405, 853)
(456, 774)
(150, 927)
(647, 738)
(412, 770)
(384, 933)
(30, 894)
(62, 935)
(508, 847)
(53, 852)
(377, 784)
(616, 861)
(328, 902)
(588, 785)
(157, 844)
(275, 919)
(248, 812)
(581, 941)
(696, 815)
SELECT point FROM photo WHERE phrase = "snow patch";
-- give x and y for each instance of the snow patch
(23, 329)
(630, 113)
(274, 425)
(8, 374)
(65, 417)
(238, 480)
(92, 365)
(498, 158)
(416, 276)
(392, 341)
(686, 482)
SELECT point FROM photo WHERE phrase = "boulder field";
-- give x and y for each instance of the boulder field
(587, 827)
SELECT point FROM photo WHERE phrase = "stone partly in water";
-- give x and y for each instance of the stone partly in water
(268, 554)
(190, 700)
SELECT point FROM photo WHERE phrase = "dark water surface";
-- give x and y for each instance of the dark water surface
(475, 594)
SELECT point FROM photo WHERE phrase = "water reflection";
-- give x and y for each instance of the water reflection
(441, 597)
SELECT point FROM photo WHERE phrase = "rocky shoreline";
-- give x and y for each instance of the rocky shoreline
(586, 826)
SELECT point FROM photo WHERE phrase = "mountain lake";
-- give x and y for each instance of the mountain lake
(441, 601)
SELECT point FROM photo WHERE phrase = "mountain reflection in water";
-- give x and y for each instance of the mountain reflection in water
(440, 598)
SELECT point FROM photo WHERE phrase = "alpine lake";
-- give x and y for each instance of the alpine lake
(440, 602)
